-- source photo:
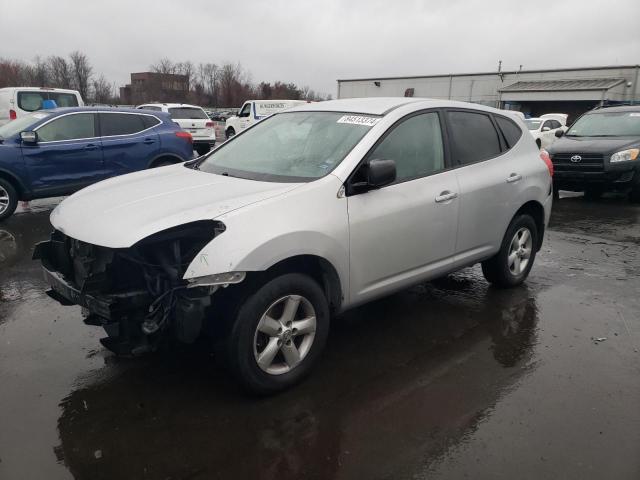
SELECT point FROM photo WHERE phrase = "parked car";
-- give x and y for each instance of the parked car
(57, 152)
(18, 101)
(543, 128)
(253, 111)
(599, 153)
(192, 119)
(310, 212)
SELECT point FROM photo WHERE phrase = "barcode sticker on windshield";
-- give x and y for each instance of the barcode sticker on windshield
(359, 120)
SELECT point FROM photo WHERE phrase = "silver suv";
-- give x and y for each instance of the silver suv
(307, 213)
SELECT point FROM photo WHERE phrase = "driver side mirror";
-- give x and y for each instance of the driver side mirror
(29, 137)
(559, 133)
(371, 175)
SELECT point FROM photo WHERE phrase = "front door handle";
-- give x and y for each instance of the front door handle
(446, 196)
(514, 177)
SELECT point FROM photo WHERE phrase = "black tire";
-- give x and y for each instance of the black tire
(634, 195)
(556, 193)
(230, 132)
(8, 199)
(593, 193)
(497, 269)
(538, 143)
(242, 343)
(202, 149)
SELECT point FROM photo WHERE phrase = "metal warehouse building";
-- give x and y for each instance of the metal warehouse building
(533, 92)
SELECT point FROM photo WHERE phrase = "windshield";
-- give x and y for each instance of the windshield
(21, 124)
(533, 124)
(297, 146)
(186, 113)
(613, 124)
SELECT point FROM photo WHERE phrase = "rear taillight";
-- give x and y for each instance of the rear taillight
(547, 160)
(209, 124)
(185, 136)
(12, 115)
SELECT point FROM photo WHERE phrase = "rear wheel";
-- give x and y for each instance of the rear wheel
(163, 162)
(539, 143)
(8, 199)
(230, 132)
(202, 149)
(278, 333)
(512, 264)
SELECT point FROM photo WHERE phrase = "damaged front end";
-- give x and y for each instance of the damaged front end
(137, 294)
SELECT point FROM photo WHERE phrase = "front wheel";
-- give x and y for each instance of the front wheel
(202, 149)
(512, 264)
(8, 199)
(278, 334)
(230, 132)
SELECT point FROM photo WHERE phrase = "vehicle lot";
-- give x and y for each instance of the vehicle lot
(446, 380)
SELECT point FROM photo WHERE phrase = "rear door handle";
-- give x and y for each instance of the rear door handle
(149, 141)
(446, 196)
(514, 177)
(91, 146)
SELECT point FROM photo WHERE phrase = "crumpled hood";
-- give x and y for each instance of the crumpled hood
(121, 211)
(596, 145)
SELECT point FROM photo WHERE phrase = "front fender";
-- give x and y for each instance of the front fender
(226, 255)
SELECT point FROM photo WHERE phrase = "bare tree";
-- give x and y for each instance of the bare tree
(82, 72)
(164, 65)
(102, 90)
(59, 70)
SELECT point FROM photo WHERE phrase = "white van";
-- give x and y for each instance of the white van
(18, 101)
(255, 110)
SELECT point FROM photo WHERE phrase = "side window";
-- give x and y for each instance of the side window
(510, 130)
(473, 137)
(548, 124)
(68, 127)
(149, 121)
(415, 145)
(120, 124)
(246, 110)
(555, 124)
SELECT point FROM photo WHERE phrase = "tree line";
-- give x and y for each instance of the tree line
(225, 85)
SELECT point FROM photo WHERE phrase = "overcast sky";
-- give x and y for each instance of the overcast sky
(316, 42)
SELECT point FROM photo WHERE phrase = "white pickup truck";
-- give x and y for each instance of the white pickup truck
(255, 110)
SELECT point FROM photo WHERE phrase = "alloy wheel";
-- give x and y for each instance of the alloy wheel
(284, 335)
(520, 251)
(4, 200)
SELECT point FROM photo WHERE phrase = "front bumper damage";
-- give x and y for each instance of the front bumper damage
(137, 294)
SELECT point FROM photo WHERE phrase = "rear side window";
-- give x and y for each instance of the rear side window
(510, 130)
(415, 145)
(120, 124)
(32, 101)
(68, 127)
(473, 137)
(149, 121)
(187, 113)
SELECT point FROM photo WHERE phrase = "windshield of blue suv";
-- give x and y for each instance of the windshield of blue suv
(21, 124)
(296, 146)
(612, 124)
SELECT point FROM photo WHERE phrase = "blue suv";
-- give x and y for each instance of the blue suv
(56, 152)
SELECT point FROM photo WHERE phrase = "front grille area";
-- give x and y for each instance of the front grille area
(589, 162)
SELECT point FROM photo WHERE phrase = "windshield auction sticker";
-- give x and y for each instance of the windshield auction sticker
(359, 120)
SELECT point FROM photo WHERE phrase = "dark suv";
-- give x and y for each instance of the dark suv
(600, 153)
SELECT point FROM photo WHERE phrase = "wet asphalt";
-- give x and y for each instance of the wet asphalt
(451, 379)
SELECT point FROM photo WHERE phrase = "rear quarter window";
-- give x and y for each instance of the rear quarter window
(473, 136)
(120, 124)
(510, 131)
